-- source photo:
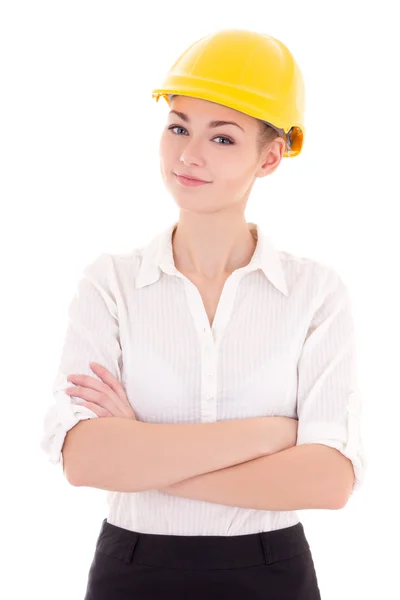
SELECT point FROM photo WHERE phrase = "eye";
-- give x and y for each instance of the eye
(230, 142)
(176, 127)
(224, 138)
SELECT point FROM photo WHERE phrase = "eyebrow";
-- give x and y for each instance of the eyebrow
(211, 123)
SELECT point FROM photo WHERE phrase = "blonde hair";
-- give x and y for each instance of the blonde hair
(267, 134)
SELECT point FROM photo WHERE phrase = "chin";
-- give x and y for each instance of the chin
(197, 207)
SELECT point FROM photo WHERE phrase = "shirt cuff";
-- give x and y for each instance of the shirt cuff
(60, 418)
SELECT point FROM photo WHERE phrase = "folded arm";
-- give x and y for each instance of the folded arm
(302, 477)
(328, 462)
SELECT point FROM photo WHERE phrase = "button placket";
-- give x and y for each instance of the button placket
(209, 384)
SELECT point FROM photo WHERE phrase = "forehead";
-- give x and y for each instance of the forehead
(197, 107)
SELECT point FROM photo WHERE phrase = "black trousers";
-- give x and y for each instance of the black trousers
(273, 565)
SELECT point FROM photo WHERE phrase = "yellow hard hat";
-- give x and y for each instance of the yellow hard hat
(251, 72)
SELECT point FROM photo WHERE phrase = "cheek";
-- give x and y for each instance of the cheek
(165, 156)
(161, 169)
(165, 144)
(233, 171)
(234, 178)
(161, 148)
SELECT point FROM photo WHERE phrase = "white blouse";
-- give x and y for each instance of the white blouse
(282, 343)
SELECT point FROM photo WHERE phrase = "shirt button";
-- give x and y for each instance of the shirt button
(210, 373)
(209, 396)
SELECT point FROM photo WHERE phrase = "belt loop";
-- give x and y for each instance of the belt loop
(132, 549)
(266, 549)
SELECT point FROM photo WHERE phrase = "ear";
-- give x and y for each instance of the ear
(271, 157)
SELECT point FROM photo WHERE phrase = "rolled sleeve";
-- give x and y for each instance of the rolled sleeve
(329, 404)
(92, 335)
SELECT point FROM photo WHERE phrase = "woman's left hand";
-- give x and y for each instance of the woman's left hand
(106, 398)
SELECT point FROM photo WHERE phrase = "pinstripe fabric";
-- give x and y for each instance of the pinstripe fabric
(282, 343)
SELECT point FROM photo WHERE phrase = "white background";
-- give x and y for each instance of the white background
(79, 134)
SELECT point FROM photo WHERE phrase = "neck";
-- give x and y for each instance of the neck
(212, 248)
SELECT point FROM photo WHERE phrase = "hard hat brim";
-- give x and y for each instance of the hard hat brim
(247, 105)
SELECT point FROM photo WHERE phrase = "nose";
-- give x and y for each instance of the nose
(191, 154)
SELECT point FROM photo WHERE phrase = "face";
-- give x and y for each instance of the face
(226, 156)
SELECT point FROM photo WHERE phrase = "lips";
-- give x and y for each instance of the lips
(191, 178)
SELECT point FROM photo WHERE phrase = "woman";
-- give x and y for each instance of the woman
(232, 329)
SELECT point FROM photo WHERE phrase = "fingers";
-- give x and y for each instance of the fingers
(99, 399)
(109, 379)
(88, 382)
(91, 383)
(108, 392)
(116, 386)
